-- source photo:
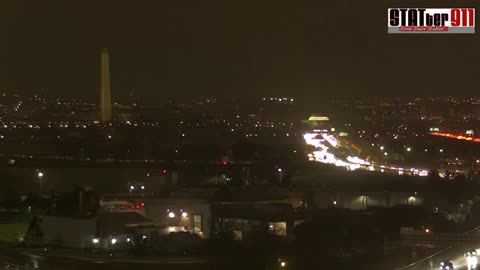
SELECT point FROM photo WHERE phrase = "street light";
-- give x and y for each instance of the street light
(280, 174)
(40, 176)
(365, 201)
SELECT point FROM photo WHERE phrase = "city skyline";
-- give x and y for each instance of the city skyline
(274, 49)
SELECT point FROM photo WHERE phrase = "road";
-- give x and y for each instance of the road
(39, 261)
(327, 151)
(455, 253)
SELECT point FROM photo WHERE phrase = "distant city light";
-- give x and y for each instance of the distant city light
(95, 240)
(40, 174)
(409, 149)
(455, 136)
(184, 214)
(114, 241)
(132, 187)
(423, 173)
(279, 170)
(171, 215)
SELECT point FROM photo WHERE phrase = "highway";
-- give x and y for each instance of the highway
(454, 253)
(327, 151)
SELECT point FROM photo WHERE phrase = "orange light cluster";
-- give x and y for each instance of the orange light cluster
(455, 136)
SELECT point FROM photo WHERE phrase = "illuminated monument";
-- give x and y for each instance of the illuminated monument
(105, 97)
(315, 122)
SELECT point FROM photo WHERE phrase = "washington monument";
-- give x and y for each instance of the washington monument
(105, 97)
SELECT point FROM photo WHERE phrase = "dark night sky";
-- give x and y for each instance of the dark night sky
(230, 48)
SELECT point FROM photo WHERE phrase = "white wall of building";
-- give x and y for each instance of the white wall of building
(68, 232)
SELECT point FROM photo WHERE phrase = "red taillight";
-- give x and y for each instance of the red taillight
(137, 206)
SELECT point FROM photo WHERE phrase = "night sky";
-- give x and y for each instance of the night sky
(163, 49)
